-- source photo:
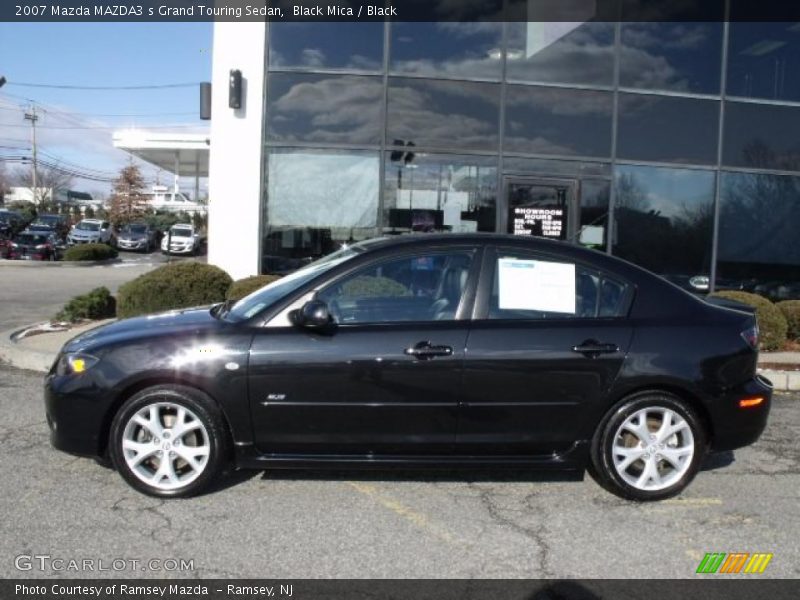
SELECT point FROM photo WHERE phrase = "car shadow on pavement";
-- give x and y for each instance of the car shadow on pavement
(718, 460)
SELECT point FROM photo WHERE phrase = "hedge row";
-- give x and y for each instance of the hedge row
(97, 304)
(179, 285)
(90, 252)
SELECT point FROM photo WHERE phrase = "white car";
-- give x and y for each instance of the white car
(91, 231)
(181, 239)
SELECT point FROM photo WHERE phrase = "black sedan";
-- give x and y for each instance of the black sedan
(422, 351)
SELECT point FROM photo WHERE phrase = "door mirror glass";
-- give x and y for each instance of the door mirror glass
(313, 314)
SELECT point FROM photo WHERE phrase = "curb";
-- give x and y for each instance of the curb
(23, 358)
(782, 381)
(58, 263)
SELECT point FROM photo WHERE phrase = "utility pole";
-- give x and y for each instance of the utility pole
(33, 117)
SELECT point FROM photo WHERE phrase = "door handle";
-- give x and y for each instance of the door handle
(424, 351)
(593, 348)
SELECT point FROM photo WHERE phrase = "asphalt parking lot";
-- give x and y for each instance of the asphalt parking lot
(34, 291)
(391, 524)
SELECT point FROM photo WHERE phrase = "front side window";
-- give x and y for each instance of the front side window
(418, 288)
(528, 287)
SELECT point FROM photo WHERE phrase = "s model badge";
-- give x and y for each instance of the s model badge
(274, 398)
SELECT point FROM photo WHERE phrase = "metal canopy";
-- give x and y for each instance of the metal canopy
(183, 154)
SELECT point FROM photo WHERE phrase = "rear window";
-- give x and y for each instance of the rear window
(528, 287)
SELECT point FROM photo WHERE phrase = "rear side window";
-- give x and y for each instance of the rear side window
(529, 287)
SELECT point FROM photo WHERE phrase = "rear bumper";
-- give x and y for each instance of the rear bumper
(734, 427)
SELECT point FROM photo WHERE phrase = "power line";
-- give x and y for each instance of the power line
(109, 127)
(105, 115)
(162, 86)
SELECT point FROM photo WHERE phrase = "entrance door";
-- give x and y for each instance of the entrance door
(541, 207)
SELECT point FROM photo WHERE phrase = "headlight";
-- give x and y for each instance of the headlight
(75, 363)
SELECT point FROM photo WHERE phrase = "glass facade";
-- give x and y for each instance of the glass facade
(673, 145)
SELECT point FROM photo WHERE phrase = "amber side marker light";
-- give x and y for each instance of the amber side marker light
(751, 402)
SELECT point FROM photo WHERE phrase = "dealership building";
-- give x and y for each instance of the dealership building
(673, 145)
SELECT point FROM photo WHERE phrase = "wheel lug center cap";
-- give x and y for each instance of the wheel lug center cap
(166, 445)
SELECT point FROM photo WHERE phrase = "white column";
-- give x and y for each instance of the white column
(234, 185)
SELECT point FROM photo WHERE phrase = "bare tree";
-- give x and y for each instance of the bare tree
(128, 201)
(49, 182)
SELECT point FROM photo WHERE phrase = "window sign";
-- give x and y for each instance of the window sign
(536, 285)
(541, 222)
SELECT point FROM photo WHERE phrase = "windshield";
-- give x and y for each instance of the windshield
(88, 226)
(32, 239)
(181, 232)
(251, 305)
(135, 229)
(47, 219)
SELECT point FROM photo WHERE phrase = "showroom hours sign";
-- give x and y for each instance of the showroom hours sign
(539, 221)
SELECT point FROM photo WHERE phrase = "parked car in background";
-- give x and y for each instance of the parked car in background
(136, 236)
(57, 223)
(34, 245)
(11, 223)
(94, 231)
(423, 351)
(181, 238)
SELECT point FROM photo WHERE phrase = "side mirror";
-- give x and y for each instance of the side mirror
(313, 314)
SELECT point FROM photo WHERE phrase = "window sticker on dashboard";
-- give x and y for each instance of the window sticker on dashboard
(536, 285)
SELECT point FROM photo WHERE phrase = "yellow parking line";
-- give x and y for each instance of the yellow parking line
(693, 501)
(415, 518)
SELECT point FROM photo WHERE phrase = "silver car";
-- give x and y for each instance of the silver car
(137, 236)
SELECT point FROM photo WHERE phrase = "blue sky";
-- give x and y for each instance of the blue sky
(77, 125)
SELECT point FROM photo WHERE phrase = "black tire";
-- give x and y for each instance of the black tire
(207, 413)
(602, 456)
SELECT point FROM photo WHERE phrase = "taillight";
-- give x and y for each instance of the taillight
(751, 402)
(750, 336)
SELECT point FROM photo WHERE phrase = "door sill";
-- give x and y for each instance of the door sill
(573, 458)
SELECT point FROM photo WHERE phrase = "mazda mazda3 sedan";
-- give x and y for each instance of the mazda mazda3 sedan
(450, 350)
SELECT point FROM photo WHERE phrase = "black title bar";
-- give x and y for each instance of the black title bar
(399, 10)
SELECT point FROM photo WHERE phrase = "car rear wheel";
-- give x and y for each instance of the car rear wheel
(649, 447)
(169, 441)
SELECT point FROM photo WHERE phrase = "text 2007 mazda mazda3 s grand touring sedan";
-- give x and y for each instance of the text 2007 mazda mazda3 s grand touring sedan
(422, 351)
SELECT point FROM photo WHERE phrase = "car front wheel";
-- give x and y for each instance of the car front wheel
(169, 441)
(649, 447)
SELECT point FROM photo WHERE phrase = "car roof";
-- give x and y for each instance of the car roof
(504, 239)
(92, 220)
(572, 250)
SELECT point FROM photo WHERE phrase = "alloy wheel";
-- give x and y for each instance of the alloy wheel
(166, 445)
(653, 448)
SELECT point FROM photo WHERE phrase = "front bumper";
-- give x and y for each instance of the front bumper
(173, 249)
(734, 427)
(71, 241)
(131, 244)
(76, 409)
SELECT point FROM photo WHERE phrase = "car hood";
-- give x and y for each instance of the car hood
(186, 321)
(84, 233)
(132, 237)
